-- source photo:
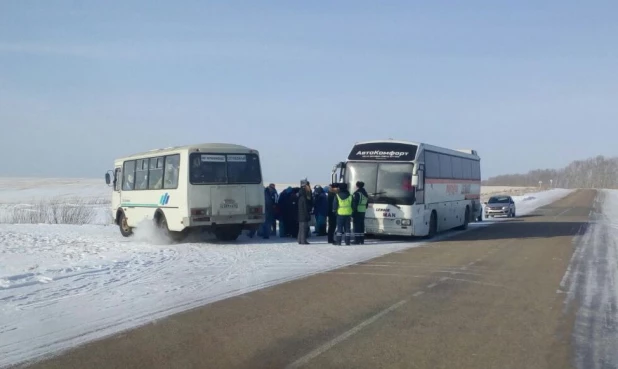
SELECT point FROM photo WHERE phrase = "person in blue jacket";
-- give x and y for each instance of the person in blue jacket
(320, 210)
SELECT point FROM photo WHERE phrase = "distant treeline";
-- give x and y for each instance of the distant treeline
(599, 172)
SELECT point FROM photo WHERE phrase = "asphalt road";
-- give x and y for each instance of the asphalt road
(488, 298)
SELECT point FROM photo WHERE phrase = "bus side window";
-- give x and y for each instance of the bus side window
(170, 175)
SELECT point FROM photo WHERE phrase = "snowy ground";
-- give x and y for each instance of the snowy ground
(591, 283)
(63, 285)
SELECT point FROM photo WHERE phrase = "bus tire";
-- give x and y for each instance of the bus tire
(464, 226)
(161, 222)
(433, 225)
(121, 220)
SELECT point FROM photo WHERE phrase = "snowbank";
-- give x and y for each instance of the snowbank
(591, 283)
(63, 285)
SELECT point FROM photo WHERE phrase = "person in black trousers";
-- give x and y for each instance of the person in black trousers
(332, 216)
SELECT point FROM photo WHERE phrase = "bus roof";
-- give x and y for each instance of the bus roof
(233, 148)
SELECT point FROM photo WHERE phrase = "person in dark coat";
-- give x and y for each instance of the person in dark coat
(342, 206)
(282, 205)
(332, 215)
(359, 207)
(304, 211)
(320, 210)
(269, 212)
(292, 212)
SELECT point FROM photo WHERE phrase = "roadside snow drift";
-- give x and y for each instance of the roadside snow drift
(63, 285)
(591, 283)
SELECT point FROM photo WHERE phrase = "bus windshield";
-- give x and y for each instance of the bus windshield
(224, 169)
(389, 183)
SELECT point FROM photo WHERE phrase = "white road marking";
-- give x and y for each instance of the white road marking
(417, 294)
(327, 346)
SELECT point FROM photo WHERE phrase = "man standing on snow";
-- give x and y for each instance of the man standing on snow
(320, 210)
(304, 211)
(342, 206)
(332, 214)
(359, 207)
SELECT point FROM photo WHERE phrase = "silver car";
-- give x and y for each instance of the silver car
(500, 205)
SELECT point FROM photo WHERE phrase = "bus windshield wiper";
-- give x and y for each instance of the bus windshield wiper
(390, 201)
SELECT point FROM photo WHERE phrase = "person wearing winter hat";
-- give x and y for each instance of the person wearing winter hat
(359, 207)
(342, 206)
(331, 213)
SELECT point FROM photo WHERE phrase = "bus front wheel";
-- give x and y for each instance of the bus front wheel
(125, 230)
(433, 225)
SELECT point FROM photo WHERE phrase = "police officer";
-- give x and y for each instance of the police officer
(359, 207)
(342, 206)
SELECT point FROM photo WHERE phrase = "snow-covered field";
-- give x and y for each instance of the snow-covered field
(63, 285)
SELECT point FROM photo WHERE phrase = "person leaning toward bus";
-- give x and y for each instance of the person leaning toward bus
(342, 206)
(359, 207)
(332, 214)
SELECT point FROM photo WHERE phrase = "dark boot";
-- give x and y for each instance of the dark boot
(347, 239)
(337, 240)
(362, 239)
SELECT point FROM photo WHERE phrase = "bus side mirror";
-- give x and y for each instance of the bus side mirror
(108, 178)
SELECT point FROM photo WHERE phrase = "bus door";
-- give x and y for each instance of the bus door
(338, 173)
(114, 179)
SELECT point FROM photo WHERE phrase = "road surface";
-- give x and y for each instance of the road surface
(488, 298)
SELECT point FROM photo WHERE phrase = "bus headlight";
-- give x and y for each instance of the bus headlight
(406, 222)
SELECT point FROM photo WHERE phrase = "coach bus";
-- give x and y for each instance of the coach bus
(415, 189)
(212, 187)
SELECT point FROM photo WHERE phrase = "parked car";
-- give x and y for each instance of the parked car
(500, 205)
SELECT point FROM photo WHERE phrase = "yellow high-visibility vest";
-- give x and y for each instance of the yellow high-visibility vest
(345, 206)
(362, 203)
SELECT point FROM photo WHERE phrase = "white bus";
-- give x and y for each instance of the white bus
(415, 189)
(212, 187)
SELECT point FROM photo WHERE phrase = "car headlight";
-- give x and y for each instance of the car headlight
(505, 208)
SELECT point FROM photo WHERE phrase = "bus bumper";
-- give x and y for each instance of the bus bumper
(210, 221)
(394, 227)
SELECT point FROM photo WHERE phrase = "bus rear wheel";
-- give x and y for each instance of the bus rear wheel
(125, 230)
(466, 221)
(173, 235)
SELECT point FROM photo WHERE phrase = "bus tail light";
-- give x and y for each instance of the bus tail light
(255, 210)
(200, 212)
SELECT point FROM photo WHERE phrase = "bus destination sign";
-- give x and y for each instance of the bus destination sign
(387, 151)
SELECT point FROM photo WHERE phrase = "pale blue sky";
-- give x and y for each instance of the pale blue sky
(528, 84)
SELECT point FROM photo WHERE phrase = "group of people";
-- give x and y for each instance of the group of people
(339, 214)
